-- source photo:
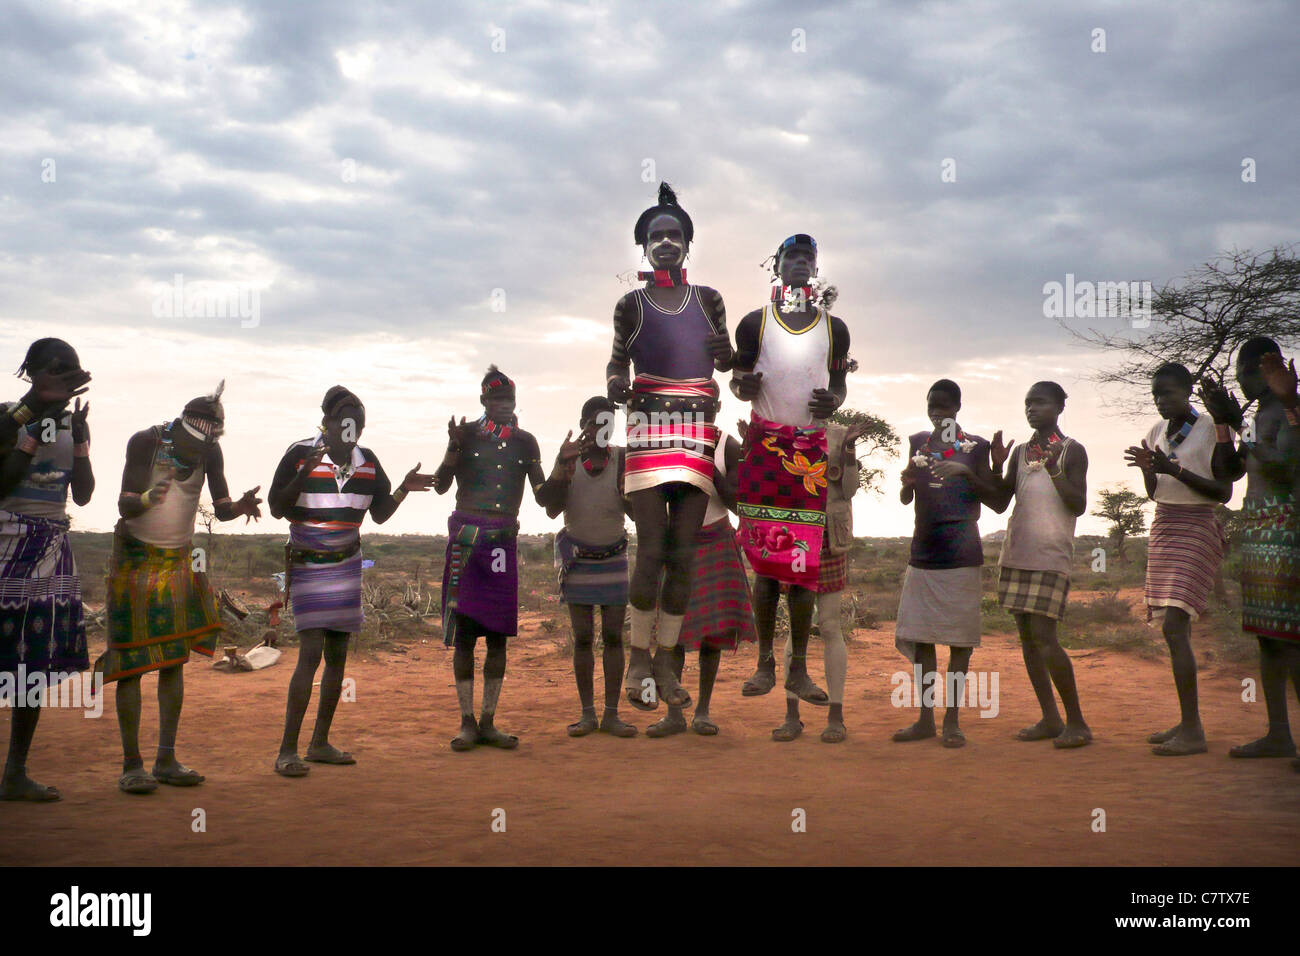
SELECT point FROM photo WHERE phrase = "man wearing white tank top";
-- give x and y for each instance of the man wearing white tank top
(791, 363)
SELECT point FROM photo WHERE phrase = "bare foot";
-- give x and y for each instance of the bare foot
(921, 730)
(23, 787)
(1265, 747)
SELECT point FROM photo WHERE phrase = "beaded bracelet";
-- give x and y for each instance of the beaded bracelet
(27, 444)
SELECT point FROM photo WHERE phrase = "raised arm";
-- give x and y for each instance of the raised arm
(1228, 463)
(290, 478)
(225, 509)
(446, 473)
(554, 492)
(1155, 462)
(1000, 490)
(50, 392)
(1070, 477)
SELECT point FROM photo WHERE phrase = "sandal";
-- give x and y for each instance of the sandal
(586, 724)
(468, 736)
(180, 776)
(616, 726)
(495, 738)
(291, 765)
(760, 682)
(787, 732)
(332, 756)
(667, 727)
(137, 781)
(704, 726)
(834, 734)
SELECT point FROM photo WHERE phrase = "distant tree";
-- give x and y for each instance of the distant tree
(1201, 320)
(208, 518)
(1123, 509)
(880, 437)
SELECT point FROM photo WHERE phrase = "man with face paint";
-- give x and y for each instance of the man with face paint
(326, 485)
(1186, 543)
(490, 461)
(1049, 481)
(1269, 456)
(586, 486)
(42, 626)
(160, 605)
(675, 335)
(791, 364)
(940, 603)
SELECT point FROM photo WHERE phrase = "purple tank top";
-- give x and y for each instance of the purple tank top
(672, 344)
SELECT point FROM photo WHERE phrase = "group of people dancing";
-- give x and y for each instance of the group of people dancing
(788, 475)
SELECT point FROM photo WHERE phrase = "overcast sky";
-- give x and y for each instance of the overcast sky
(375, 171)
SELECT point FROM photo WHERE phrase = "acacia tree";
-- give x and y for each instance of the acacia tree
(880, 437)
(1123, 509)
(1201, 320)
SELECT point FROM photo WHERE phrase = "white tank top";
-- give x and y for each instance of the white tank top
(1040, 534)
(793, 364)
(170, 524)
(716, 509)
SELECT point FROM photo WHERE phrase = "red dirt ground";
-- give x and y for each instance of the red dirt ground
(597, 800)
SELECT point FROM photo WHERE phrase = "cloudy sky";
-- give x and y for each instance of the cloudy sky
(405, 192)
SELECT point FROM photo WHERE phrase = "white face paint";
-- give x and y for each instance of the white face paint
(665, 245)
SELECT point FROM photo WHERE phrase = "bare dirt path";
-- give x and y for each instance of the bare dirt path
(599, 800)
